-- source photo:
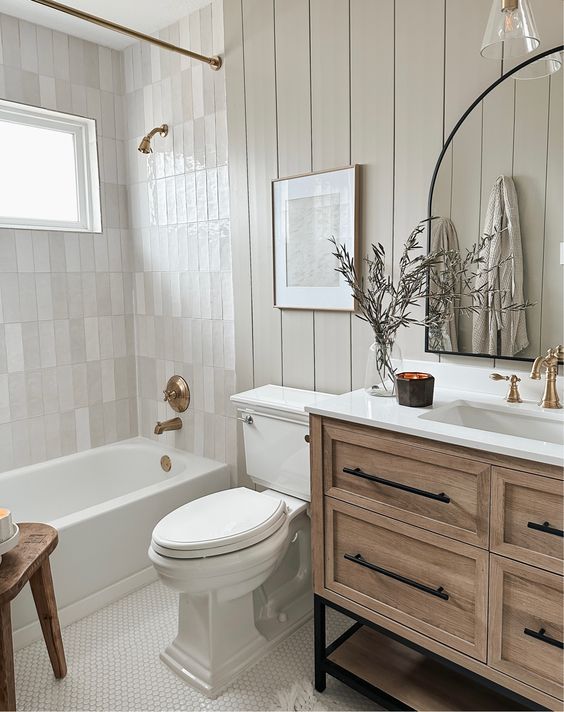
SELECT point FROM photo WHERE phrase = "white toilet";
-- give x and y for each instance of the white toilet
(240, 559)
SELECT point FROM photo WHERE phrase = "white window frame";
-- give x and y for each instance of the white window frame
(86, 164)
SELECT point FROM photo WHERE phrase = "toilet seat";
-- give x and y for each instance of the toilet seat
(219, 523)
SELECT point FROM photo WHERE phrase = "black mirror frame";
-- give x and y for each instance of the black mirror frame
(446, 145)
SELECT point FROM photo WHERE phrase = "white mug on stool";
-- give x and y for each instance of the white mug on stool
(6, 528)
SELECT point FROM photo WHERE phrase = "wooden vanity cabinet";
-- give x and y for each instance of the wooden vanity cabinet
(456, 551)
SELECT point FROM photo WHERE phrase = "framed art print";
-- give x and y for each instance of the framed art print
(308, 210)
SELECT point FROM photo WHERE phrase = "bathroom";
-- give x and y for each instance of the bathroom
(158, 347)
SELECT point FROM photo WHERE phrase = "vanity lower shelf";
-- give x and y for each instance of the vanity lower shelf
(398, 677)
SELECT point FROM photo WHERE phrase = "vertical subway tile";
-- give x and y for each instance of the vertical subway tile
(28, 46)
(14, 347)
(45, 52)
(53, 446)
(47, 348)
(8, 252)
(82, 427)
(24, 251)
(30, 345)
(10, 35)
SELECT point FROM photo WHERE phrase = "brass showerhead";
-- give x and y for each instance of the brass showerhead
(145, 145)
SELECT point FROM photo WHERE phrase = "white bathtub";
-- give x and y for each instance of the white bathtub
(104, 503)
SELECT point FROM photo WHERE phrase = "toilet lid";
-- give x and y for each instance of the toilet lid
(219, 523)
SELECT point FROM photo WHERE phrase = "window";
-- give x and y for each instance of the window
(48, 170)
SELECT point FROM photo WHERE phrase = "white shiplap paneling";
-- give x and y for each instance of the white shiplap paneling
(372, 124)
(388, 79)
(293, 94)
(330, 96)
(260, 94)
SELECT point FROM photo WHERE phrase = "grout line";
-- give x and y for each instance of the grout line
(351, 315)
(444, 66)
(311, 169)
(246, 133)
(277, 132)
(394, 133)
(541, 347)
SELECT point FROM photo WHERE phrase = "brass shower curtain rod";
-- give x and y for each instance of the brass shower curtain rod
(213, 62)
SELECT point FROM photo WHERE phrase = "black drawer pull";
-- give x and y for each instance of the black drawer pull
(541, 635)
(358, 559)
(545, 527)
(441, 497)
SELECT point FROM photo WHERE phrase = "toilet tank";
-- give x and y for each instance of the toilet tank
(275, 425)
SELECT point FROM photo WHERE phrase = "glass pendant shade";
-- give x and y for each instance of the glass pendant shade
(541, 68)
(511, 30)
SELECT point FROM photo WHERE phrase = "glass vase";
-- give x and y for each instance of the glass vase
(384, 360)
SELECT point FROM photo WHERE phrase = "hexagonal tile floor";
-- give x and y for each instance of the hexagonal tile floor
(113, 664)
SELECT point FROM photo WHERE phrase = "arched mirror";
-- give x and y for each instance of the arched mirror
(501, 173)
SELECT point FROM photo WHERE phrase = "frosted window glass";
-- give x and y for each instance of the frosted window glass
(38, 174)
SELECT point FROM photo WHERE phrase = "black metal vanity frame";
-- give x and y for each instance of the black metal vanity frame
(324, 666)
(446, 145)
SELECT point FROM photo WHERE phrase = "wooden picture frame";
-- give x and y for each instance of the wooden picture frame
(307, 210)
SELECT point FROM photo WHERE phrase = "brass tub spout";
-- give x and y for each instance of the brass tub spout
(166, 425)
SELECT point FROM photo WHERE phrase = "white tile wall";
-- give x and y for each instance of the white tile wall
(179, 208)
(67, 361)
(92, 326)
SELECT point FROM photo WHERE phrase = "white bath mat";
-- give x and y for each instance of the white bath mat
(300, 696)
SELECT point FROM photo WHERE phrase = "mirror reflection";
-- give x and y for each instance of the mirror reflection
(503, 176)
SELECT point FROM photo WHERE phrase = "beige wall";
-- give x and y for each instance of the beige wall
(315, 84)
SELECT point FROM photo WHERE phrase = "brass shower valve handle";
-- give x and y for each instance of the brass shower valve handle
(177, 394)
(513, 395)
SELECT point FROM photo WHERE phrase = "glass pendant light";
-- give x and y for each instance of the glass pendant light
(541, 68)
(511, 30)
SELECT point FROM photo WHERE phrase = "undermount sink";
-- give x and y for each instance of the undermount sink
(497, 419)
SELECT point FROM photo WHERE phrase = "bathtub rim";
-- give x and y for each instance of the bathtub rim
(86, 513)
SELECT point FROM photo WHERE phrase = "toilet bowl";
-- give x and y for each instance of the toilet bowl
(240, 559)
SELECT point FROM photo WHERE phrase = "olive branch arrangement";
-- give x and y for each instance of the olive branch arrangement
(444, 277)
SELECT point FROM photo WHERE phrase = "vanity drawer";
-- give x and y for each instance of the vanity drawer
(523, 602)
(425, 487)
(528, 518)
(432, 584)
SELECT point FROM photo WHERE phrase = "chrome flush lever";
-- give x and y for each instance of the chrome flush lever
(248, 419)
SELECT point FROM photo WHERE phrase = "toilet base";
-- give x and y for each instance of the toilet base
(234, 609)
(177, 658)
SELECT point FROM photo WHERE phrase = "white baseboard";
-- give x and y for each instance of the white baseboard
(75, 611)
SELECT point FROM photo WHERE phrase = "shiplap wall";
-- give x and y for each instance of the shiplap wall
(315, 84)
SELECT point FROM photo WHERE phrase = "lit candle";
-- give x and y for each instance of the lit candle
(414, 376)
(6, 528)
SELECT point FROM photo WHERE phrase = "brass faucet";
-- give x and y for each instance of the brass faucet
(550, 397)
(166, 425)
(513, 395)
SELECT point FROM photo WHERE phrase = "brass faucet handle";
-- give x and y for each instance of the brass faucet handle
(177, 394)
(513, 395)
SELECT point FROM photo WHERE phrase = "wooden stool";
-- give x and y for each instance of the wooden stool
(29, 561)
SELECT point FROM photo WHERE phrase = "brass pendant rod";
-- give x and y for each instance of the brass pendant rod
(213, 62)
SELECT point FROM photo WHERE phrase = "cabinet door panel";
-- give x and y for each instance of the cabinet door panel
(528, 518)
(525, 624)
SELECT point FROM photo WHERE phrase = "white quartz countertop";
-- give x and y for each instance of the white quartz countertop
(360, 407)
